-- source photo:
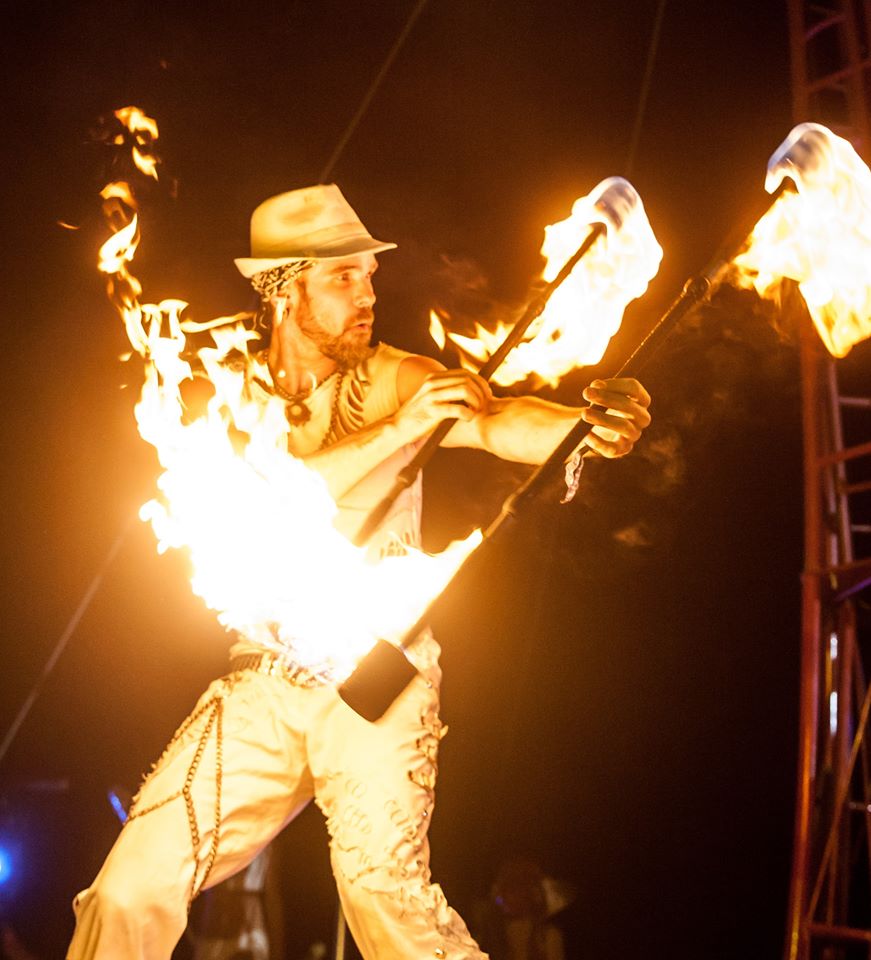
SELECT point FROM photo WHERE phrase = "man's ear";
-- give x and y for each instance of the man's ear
(285, 306)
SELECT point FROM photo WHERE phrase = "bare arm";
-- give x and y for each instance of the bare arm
(524, 429)
(527, 429)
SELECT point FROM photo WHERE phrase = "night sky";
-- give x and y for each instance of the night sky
(621, 680)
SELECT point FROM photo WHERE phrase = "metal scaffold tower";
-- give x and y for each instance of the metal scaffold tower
(830, 892)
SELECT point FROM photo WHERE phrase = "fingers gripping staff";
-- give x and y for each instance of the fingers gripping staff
(617, 414)
(447, 395)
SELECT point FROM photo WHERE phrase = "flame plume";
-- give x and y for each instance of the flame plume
(586, 310)
(289, 581)
(819, 235)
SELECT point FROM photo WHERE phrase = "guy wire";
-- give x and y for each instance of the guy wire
(370, 93)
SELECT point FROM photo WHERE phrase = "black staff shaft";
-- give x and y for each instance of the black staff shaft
(408, 474)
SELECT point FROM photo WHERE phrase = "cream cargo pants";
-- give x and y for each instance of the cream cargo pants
(252, 754)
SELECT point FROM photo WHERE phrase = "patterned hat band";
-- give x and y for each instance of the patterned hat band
(275, 281)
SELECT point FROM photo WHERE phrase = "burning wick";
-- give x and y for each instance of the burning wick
(819, 235)
(578, 322)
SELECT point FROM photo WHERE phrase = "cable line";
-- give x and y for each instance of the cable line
(645, 89)
(370, 93)
(63, 639)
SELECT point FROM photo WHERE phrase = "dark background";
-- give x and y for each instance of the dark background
(621, 683)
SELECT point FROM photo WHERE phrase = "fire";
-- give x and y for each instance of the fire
(437, 330)
(818, 235)
(285, 578)
(144, 132)
(585, 311)
(122, 286)
(274, 578)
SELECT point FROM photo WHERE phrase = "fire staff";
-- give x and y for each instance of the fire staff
(272, 735)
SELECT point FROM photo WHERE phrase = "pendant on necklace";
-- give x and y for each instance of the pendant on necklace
(297, 412)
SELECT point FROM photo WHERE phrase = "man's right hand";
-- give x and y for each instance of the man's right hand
(430, 394)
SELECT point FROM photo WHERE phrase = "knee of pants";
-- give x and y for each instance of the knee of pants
(115, 905)
(381, 844)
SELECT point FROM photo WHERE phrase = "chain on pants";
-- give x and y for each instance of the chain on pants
(250, 757)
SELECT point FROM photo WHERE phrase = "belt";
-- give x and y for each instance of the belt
(274, 665)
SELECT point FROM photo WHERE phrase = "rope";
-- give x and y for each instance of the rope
(373, 89)
(645, 88)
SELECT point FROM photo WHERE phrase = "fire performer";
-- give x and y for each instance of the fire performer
(272, 734)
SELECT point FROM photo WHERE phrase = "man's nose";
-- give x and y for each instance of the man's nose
(365, 295)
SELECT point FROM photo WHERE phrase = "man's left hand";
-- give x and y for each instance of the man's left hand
(616, 428)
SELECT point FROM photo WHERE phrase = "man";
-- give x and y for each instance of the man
(266, 739)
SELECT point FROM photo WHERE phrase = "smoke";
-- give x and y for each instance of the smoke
(723, 359)
(663, 455)
(725, 382)
(637, 535)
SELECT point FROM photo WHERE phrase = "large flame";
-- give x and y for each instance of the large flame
(818, 235)
(257, 523)
(586, 310)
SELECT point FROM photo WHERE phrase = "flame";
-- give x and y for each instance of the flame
(144, 132)
(585, 311)
(437, 330)
(274, 579)
(818, 235)
(122, 286)
(286, 579)
(119, 249)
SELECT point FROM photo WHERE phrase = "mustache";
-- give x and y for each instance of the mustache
(368, 314)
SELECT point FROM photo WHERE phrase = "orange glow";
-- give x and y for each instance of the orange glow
(587, 308)
(819, 235)
(287, 579)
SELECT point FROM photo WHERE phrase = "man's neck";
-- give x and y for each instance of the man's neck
(300, 370)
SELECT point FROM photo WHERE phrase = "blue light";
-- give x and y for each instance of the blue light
(117, 805)
(6, 866)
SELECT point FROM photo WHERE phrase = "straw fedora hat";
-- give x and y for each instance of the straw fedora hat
(314, 223)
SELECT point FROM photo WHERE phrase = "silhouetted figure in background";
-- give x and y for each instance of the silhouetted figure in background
(524, 917)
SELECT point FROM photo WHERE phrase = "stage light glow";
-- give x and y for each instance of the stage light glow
(7, 867)
(117, 804)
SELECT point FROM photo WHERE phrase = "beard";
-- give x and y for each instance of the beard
(348, 348)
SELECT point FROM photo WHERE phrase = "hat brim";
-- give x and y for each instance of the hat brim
(249, 266)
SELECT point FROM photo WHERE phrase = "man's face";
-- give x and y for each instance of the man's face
(335, 307)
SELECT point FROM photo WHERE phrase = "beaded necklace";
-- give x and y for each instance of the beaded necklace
(298, 412)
